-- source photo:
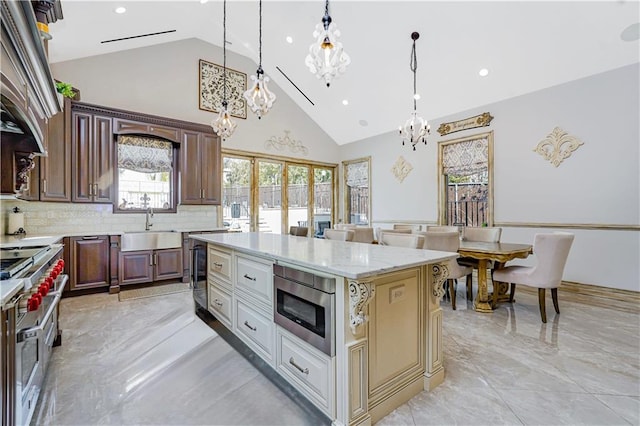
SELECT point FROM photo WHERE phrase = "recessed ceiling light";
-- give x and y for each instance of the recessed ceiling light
(203, 1)
(289, 39)
(363, 123)
(120, 10)
(631, 33)
(345, 102)
(483, 72)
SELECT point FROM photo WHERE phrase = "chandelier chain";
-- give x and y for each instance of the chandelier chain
(260, 37)
(224, 53)
(326, 7)
(413, 65)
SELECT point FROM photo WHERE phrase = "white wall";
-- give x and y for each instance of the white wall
(599, 184)
(163, 80)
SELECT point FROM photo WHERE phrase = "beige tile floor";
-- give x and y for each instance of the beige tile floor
(149, 361)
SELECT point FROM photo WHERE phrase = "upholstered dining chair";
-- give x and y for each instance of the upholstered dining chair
(448, 241)
(551, 252)
(338, 234)
(362, 235)
(481, 234)
(298, 231)
(400, 240)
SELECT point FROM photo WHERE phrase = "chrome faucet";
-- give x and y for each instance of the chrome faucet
(149, 215)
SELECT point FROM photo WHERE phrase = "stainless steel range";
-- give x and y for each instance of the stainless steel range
(29, 325)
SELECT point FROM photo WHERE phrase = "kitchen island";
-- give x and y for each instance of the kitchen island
(386, 319)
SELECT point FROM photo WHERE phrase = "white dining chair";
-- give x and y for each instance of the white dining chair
(338, 234)
(551, 252)
(362, 235)
(482, 234)
(400, 240)
(450, 242)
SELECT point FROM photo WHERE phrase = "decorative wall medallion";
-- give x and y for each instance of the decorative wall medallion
(557, 146)
(481, 120)
(286, 141)
(211, 90)
(401, 168)
(440, 274)
(360, 294)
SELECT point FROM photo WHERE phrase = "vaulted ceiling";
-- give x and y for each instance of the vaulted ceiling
(526, 46)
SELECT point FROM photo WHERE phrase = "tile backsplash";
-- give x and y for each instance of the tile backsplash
(69, 218)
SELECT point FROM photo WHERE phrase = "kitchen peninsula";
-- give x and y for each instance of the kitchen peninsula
(385, 322)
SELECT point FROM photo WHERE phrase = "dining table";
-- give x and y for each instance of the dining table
(484, 253)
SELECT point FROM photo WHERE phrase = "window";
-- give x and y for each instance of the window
(357, 199)
(146, 177)
(466, 181)
(269, 194)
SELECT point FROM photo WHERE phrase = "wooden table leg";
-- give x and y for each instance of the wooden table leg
(482, 301)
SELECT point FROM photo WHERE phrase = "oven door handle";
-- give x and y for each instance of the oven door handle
(34, 332)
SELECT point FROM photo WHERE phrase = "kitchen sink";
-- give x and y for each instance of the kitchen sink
(150, 240)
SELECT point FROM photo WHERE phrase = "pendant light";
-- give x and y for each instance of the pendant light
(416, 128)
(259, 98)
(327, 59)
(224, 125)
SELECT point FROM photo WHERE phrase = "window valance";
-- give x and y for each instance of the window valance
(358, 174)
(466, 157)
(145, 155)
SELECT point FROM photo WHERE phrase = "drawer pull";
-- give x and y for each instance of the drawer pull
(217, 265)
(300, 369)
(249, 326)
(217, 302)
(249, 278)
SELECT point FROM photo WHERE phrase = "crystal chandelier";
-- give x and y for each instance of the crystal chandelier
(416, 128)
(259, 98)
(326, 58)
(223, 125)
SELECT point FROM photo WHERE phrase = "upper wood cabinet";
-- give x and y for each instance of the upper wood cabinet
(200, 168)
(92, 150)
(55, 168)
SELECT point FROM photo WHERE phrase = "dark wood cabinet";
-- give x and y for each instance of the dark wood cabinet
(92, 150)
(55, 168)
(137, 267)
(168, 264)
(200, 168)
(89, 262)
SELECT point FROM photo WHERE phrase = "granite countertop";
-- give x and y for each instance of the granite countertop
(347, 259)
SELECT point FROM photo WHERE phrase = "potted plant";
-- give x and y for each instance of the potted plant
(66, 90)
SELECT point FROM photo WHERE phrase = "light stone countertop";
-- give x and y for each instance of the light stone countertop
(8, 288)
(45, 240)
(346, 259)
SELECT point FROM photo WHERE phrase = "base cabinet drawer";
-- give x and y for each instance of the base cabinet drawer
(306, 369)
(255, 279)
(220, 263)
(255, 329)
(220, 305)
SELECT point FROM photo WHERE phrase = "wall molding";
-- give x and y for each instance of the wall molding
(591, 226)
